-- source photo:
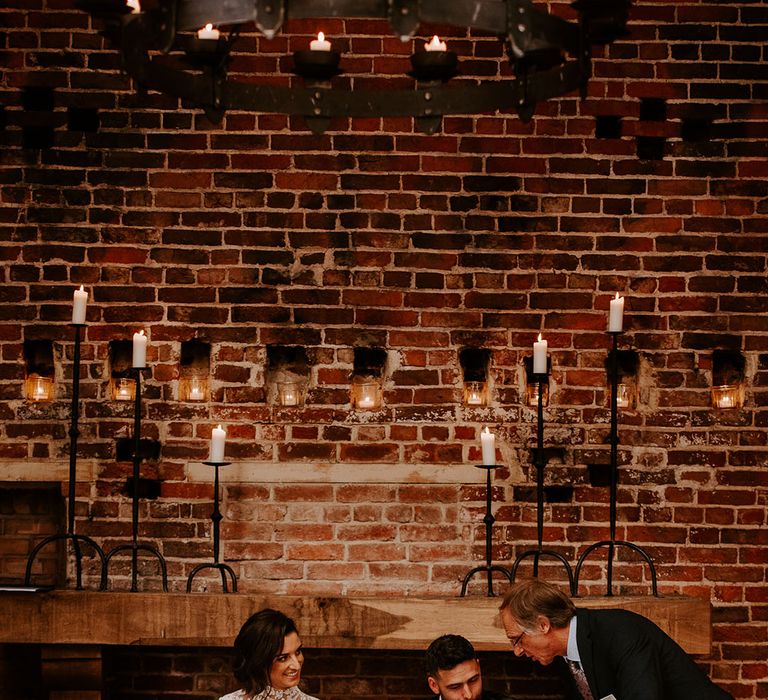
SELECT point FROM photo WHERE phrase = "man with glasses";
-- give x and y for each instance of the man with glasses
(610, 654)
(453, 670)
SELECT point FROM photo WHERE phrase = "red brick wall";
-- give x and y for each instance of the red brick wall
(257, 232)
(330, 674)
(26, 517)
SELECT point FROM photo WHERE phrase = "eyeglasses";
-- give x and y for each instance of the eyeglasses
(516, 641)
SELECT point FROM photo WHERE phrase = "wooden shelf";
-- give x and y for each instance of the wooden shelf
(213, 619)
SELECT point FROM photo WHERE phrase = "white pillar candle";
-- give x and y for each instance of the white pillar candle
(540, 356)
(616, 315)
(78, 305)
(218, 441)
(488, 443)
(208, 32)
(139, 349)
(435, 44)
(320, 44)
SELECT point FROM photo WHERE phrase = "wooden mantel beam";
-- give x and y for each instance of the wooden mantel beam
(213, 619)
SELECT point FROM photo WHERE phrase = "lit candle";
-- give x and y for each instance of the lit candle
(208, 32)
(290, 396)
(139, 349)
(435, 44)
(196, 389)
(367, 395)
(78, 305)
(540, 356)
(474, 398)
(488, 443)
(616, 316)
(40, 392)
(622, 396)
(320, 44)
(125, 390)
(134, 5)
(41, 388)
(365, 401)
(218, 440)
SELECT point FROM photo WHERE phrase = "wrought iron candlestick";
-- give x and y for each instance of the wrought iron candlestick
(216, 518)
(489, 568)
(71, 535)
(540, 459)
(613, 543)
(135, 547)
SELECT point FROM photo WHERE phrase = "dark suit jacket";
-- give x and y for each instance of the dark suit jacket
(627, 655)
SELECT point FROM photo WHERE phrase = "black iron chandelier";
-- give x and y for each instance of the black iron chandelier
(183, 48)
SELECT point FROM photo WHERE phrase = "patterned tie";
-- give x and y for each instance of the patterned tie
(580, 678)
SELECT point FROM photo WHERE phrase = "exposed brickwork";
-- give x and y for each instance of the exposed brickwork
(257, 232)
(26, 517)
(335, 674)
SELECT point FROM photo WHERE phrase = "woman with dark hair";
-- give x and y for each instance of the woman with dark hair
(268, 659)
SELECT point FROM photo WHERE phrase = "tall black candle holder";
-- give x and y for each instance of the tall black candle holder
(613, 543)
(540, 459)
(216, 518)
(489, 520)
(71, 535)
(135, 546)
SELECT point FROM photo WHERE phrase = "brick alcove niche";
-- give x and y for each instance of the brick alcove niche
(29, 513)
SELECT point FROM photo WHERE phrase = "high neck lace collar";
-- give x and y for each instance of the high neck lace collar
(274, 694)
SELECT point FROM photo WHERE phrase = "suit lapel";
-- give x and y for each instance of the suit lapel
(586, 652)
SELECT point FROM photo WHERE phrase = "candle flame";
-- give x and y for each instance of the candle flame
(435, 41)
(218, 427)
(320, 36)
(539, 337)
(486, 430)
(141, 332)
(208, 27)
(617, 295)
(81, 288)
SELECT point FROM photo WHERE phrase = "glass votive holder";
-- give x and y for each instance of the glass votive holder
(39, 388)
(290, 393)
(728, 396)
(194, 388)
(623, 396)
(366, 396)
(532, 394)
(124, 389)
(475, 394)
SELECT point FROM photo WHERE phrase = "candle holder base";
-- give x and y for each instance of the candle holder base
(224, 569)
(434, 66)
(612, 545)
(76, 540)
(536, 554)
(316, 65)
(134, 548)
(488, 568)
